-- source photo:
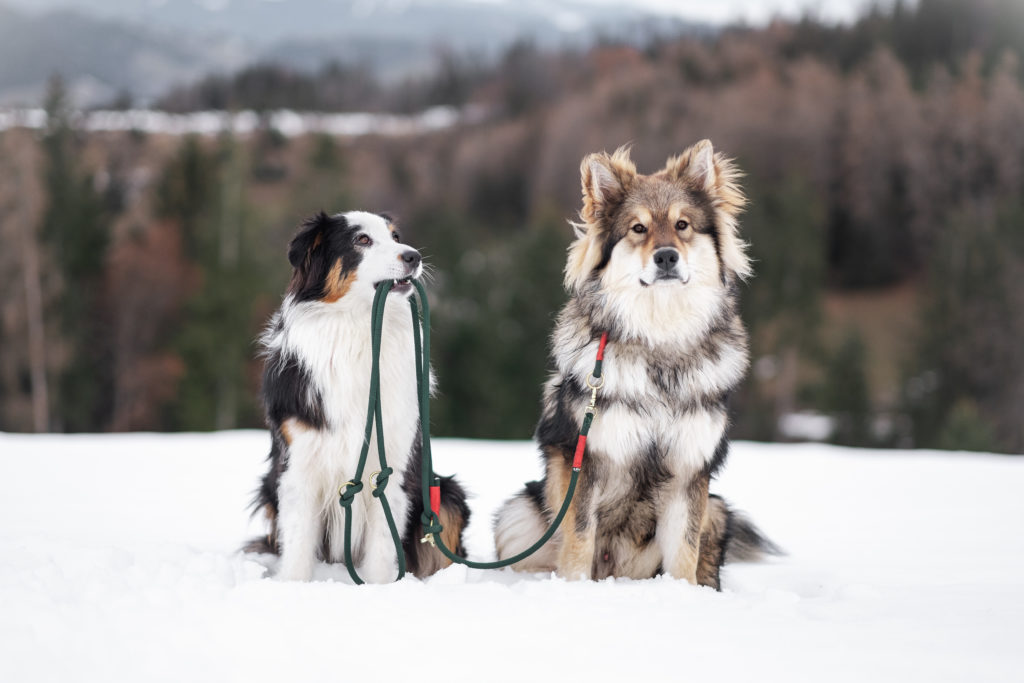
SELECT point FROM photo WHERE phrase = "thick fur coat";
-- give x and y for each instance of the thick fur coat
(656, 264)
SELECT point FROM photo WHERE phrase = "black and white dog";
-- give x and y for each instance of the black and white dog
(315, 386)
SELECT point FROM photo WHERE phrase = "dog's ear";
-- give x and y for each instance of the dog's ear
(696, 164)
(309, 237)
(606, 179)
(700, 167)
(308, 255)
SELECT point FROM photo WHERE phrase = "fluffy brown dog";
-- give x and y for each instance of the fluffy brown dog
(656, 264)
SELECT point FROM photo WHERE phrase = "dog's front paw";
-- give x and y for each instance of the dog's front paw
(380, 563)
(573, 574)
(293, 569)
(379, 572)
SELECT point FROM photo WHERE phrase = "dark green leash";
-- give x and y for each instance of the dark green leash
(373, 415)
(430, 483)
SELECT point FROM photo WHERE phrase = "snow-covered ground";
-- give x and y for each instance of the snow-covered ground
(287, 122)
(118, 562)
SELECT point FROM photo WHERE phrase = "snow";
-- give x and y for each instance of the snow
(119, 562)
(806, 426)
(287, 122)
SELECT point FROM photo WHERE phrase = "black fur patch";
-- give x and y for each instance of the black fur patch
(718, 459)
(287, 393)
(534, 490)
(562, 427)
(607, 246)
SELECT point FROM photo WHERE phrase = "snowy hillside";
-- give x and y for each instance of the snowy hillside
(118, 562)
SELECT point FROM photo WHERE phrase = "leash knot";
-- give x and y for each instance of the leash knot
(431, 523)
(346, 497)
(431, 526)
(379, 481)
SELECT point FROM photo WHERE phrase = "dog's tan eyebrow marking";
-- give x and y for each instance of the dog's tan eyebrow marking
(678, 212)
(643, 216)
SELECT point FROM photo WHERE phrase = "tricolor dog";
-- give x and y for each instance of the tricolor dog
(315, 387)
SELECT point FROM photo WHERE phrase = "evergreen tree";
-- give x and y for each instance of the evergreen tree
(217, 344)
(844, 392)
(77, 234)
(494, 309)
(968, 377)
(782, 304)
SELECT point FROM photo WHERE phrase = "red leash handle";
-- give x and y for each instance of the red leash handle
(581, 445)
(595, 382)
(435, 500)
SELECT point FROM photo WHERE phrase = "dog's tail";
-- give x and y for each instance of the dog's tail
(736, 534)
(423, 559)
(265, 499)
(263, 544)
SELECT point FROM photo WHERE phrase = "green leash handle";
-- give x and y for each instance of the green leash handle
(373, 416)
(431, 523)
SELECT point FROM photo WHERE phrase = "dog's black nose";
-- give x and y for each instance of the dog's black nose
(666, 259)
(412, 258)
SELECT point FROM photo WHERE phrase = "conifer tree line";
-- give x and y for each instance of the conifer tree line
(884, 163)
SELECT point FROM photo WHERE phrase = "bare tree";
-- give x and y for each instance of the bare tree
(20, 207)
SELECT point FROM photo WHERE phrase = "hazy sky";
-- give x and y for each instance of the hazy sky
(715, 11)
(752, 11)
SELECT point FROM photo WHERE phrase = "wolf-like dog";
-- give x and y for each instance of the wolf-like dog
(656, 265)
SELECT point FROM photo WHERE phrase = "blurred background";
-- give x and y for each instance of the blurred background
(156, 157)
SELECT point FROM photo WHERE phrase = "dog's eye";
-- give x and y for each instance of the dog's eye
(682, 225)
(364, 240)
(639, 228)
(395, 236)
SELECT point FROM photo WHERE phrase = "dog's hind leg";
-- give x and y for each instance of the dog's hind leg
(714, 537)
(522, 520)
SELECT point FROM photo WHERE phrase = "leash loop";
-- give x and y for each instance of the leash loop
(430, 483)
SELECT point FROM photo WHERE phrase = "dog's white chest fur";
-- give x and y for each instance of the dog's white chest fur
(334, 347)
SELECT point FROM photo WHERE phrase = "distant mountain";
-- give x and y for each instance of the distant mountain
(270, 21)
(99, 58)
(105, 47)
